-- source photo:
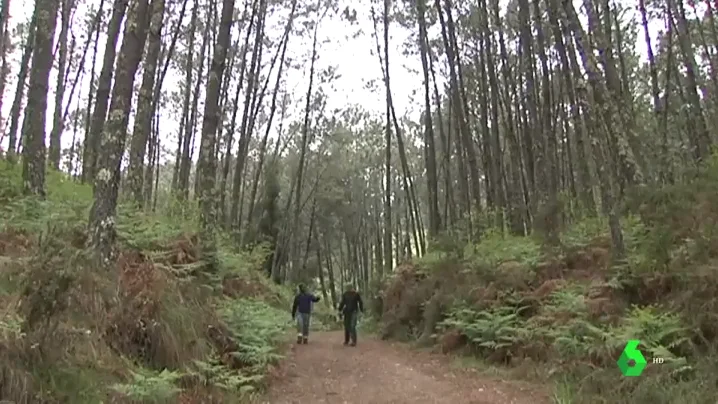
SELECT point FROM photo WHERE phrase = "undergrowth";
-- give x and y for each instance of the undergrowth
(149, 331)
(567, 313)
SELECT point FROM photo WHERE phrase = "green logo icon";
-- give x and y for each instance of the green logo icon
(631, 361)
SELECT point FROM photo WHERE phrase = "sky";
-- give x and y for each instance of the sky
(351, 54)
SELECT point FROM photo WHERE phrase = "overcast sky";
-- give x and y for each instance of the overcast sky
(351, 54)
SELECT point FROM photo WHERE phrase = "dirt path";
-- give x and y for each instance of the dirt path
(379, 372)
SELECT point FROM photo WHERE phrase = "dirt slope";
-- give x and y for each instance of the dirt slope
(379, 372)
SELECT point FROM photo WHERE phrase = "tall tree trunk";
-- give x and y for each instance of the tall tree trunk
(608, 115)
(4, 45)
(191, 123)
(104, 84)
(272, 111)
(207, 165)
(16, 107)
(182, 140)
(459, 107)
(112, 145)
(33, 126)
(143, 119)
(91, 92)
(388, 251)
(233, 120)
(698, 130)
(429, 147)
(245, 135)
(57, 126)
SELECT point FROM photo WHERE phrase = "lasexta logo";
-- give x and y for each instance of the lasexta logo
(632, 362)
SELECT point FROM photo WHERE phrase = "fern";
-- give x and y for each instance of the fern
(653, 328)
(257, 328)
(496, 329)
(219, 375)
(149, 386)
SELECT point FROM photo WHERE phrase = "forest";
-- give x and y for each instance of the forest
(170, 170)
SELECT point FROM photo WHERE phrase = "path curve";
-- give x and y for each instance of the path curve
(380, 372)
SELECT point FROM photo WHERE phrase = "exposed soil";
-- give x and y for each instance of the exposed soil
(380, 372)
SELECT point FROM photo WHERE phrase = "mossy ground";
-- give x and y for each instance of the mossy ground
(563, 315)
(147, 331)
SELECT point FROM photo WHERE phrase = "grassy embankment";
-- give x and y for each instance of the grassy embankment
(148, 331)
(563, 316)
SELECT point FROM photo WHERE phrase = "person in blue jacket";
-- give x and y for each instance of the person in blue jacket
(302, 311)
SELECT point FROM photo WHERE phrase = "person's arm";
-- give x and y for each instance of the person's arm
(315, 298)
(294, 306)
(342, 303)
(360, 303)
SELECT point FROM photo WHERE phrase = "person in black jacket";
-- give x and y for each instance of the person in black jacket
(349, 307)
(302, 310)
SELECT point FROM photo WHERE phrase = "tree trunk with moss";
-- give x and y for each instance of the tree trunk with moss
(104, 84)
(33, 127)
(112, 147)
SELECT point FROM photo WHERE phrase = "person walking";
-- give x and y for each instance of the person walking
(302, 311)
(349, 307)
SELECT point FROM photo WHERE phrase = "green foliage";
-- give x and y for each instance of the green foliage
(660, 333)
(586, 308)
(494, 329)
(144, 230)
(496, 248)
(569, 299)
(258, 329)
(564, 392)
(431, 260)
(10, 181)
(150, 387)
(564, 329)
(367, 324)
(270, 214)
(678, 223)
(324, 317)
(60, 187)
(174, 309)
(9, 279)
(583, 232)
(73, 383)
(214, 373)
(10, 327)
(244, 261)
(67, 202)
(34, 216)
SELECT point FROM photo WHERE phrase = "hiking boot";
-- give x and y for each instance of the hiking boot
(346, 343)
(299, 339)
(305, 340)
(354, 343)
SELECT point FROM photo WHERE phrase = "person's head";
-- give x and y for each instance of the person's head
(302, 288)
(351, 288)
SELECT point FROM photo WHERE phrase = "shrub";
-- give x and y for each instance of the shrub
(496, 248)
(150, 387)
(257, 328)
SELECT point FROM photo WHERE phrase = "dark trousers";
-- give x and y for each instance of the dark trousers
(350, 327)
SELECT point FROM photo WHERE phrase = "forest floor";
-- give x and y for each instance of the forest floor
(381, 372)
